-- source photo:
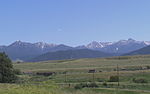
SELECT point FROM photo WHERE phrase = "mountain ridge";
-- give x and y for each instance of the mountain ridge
(142, 51)
(70, 54)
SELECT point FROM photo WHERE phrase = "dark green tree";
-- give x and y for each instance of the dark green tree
(7, 74)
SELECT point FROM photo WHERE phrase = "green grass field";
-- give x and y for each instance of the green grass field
(86, 64)
(69, 73)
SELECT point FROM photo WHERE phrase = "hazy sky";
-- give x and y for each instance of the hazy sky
(73, 22)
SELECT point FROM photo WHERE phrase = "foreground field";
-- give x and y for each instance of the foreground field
(133, 72)
(51, 89)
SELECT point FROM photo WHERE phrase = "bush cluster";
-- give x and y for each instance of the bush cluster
(113, 79)
(139, 80)
(86, 85)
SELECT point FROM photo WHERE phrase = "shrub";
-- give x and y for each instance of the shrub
(78, 86)
(139, 80)
(148, 67)
(92, 85)
(105, 84)
(18, 62)
(17, 71)
(86, 85)
(38, 79)
(113, 79)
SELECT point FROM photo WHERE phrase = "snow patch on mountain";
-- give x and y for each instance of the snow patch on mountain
(43, 45)
(96, 44)
(147, 42)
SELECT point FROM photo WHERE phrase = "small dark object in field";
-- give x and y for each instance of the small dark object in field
(28, 73)
(100, 71)
(123, 69)
(92, 71)
(45, 73)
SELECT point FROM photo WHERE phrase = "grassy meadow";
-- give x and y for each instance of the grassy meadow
(133, 72)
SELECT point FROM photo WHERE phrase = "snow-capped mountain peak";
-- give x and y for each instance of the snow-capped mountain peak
(96, 44)
(147, 42)
(20, 43)
(121, 46)
(43, 45)
(126, 42)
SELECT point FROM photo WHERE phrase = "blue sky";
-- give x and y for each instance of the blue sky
(73, 22)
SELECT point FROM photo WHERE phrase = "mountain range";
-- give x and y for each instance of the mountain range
(120, 47)
(27, 51)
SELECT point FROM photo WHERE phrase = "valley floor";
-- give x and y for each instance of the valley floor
(70, 75)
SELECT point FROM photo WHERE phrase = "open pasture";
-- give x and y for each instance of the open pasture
(69, 73)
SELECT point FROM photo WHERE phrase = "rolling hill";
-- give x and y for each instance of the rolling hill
(142, 51)
(70, 54)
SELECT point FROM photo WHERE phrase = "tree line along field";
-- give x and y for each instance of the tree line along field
(133, 73)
